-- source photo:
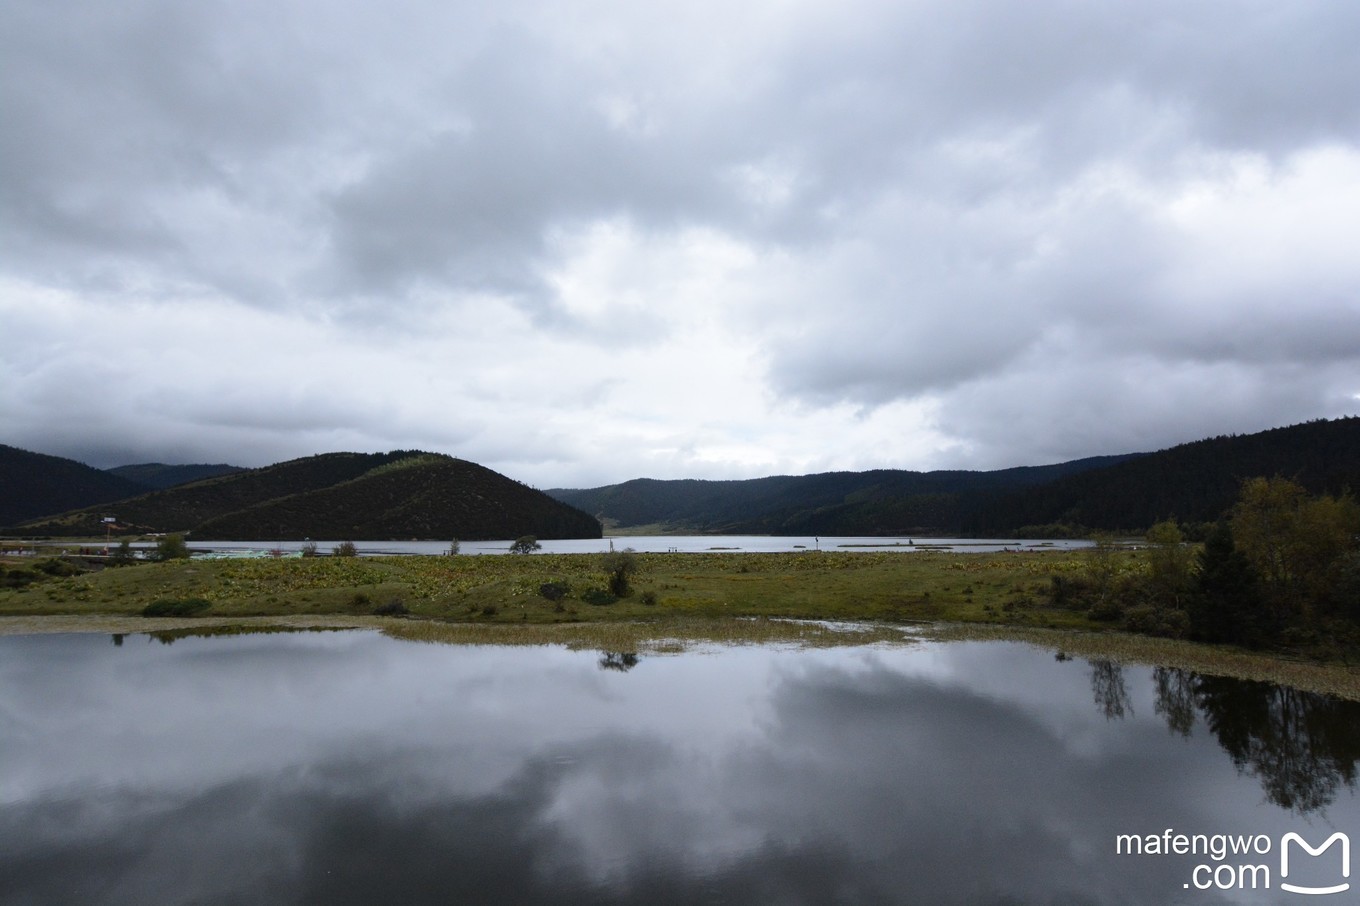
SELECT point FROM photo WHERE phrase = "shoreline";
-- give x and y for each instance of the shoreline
(673, 635)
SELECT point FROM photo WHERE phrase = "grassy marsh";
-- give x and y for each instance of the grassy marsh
(678, 599)
(808, 584)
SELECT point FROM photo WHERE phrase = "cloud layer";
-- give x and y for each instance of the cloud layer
(585, 244)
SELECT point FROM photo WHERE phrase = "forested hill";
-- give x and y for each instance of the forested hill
(35, 484)
(876, 502)
(426, 496)
(403, 494)
(1194, 482)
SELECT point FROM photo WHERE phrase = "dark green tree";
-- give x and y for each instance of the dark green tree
(1226, 604)
(524, 544)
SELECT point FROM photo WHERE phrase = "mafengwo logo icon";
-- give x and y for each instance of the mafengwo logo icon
(1303, 844)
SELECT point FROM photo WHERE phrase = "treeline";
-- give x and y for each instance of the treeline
(1195, 483)
(1280, 569)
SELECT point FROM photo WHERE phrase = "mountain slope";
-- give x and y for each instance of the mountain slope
(185, 507)
(160, 476)
(34, 484)
(1194, 482)
(883, 501)
(427, 496)
(402, 494)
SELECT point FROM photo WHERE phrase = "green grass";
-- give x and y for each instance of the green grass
(176, 607)
(728, 597)
(838, 585)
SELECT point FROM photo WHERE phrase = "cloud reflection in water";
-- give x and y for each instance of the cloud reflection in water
(352, 768)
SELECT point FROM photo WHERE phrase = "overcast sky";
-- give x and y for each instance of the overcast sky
(582, 242)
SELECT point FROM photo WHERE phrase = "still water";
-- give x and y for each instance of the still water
(646, 543)
(348, 767)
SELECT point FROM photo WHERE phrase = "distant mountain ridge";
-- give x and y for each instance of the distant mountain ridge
(403, 494)
(410, 494)
(160, 476)
(35, 484)
(876, 502)
(1192, 482)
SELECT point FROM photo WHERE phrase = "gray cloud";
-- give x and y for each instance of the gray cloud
(909, 210)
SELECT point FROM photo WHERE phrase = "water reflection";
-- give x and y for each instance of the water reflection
(622, 661)
(1301, 746)
(1107, 686)
(351, 768)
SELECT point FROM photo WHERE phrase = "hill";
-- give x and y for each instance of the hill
(34, 484)
(1194, 482)
(160, 476)
(402, 494)
(879, 502)
(425, 496)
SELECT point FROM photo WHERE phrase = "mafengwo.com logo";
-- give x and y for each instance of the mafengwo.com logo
(1246, 862)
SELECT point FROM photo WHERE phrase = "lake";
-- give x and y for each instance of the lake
(647, 543)
(349, 767)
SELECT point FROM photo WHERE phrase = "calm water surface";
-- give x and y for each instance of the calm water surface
(647, 543)
(352, 768)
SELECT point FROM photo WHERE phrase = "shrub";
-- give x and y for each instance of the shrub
(345, 549)
(393, 608)
(176, 607)
(309, 549)
(56, 566)
(172, 547)
(453, 548)
(17, 578)
(554, 591)
(649, 598)
(122, 554)
(598, 596)
(1065, 592)
(1105, 612)
(1168, 622)
(619, 567)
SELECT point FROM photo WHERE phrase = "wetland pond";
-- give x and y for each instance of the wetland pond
(350, 767)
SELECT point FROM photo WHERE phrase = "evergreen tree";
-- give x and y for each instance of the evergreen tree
(1226, 606)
